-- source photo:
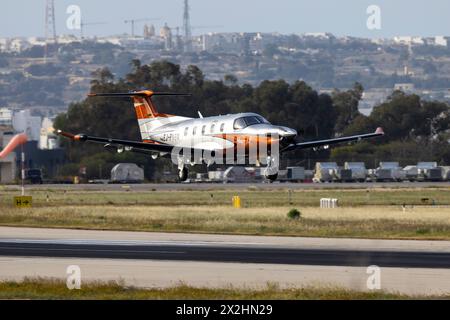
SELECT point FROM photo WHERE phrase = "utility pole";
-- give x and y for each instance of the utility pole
(187, 28)
(22, 171)
(50, 25)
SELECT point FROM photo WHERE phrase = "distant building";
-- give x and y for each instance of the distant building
(441, 41)
(48, 140)
(166, 34)
(409, 40)
(18, 45)
(222, 42)
(149, 31)
(41, 151)
(405, 87)
(372, 98)
(23, 121)
(49, 161)
(36, 41)
(6, 116)
(8, 164)
(320, 35)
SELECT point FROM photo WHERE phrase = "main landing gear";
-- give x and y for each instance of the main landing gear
(272, 177)
(183, 174)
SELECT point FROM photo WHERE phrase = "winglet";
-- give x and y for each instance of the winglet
(379, 131)
(142, 93)
(78, 137)
(66, 134)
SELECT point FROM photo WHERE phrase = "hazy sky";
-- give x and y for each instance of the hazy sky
(341, 17)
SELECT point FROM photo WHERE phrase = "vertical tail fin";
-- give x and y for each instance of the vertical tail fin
(144, 107)
(146, 113)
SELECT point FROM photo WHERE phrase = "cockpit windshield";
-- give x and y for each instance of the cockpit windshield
(245, 122)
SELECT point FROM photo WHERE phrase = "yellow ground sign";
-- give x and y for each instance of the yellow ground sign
(237, 202)
(23, 201)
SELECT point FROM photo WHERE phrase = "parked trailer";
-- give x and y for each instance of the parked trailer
(435, 174)
(389, 171)
(238, 174)
(201, 177)
(411, 173)
(429, 171)
(344, 175)
(256, 172)
(215, 176)
(358, 170)
(127, 173)
(326, 172)
(296, 174)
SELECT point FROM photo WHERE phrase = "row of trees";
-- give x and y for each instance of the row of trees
(416, 129)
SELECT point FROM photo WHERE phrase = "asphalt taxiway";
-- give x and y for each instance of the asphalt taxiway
(206, 252)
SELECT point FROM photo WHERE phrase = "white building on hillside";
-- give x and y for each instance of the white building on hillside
(6, 116)
(23, 121)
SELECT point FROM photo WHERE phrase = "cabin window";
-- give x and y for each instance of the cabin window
(213, 126)
(244, 122)
(222, 127)
(251, 121)
(239, 124)
(203, 130)
(262, 120)
(186, 130)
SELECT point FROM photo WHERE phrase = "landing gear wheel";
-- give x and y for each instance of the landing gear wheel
(272, 177)
(183, 174)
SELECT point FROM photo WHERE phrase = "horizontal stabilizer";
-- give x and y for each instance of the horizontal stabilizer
(144, 93)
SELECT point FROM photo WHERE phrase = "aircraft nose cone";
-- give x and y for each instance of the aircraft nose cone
(287, 132)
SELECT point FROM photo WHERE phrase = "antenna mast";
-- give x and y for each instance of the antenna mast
(187, 28)
(50, 25)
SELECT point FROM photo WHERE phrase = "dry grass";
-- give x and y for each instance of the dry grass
(369, 213)
(376, 222)
(55, 289)
(250, 198)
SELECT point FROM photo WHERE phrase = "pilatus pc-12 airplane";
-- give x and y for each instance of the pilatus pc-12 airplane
(226, 135)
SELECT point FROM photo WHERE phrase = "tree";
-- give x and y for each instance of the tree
(346, 105)
(230, 80)
(415, 129)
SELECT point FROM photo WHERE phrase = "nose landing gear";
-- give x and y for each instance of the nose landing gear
(271, 172)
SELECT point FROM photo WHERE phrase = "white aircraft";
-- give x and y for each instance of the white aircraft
(220, 137)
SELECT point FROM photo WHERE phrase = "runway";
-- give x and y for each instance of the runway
(162, 259)
(224, 253)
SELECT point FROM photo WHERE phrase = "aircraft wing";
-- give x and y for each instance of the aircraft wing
(134, 146)
(319, 143)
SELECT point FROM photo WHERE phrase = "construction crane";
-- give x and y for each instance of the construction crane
(84, 24)
(134, 21)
